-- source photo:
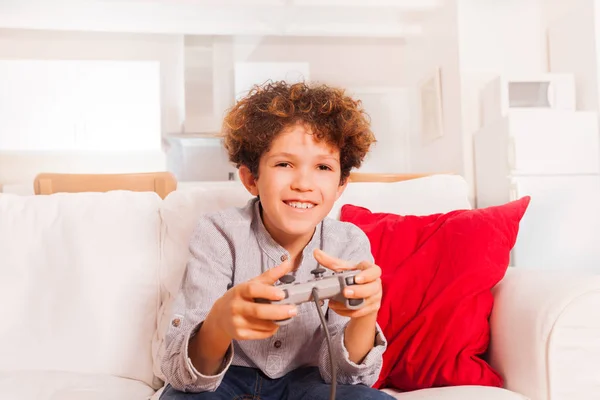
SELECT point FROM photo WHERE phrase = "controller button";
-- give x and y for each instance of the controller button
(277, 344)
(287, 279)
(318, 272)
(350, 280)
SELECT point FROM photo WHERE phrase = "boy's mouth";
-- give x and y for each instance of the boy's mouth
(299, 204)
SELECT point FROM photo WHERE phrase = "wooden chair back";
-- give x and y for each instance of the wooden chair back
(162, 183)
(382, 177)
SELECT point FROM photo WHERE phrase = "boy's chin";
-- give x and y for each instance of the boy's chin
(300, 229)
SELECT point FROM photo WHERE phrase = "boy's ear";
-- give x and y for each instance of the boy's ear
(341, 188)
(248, 180)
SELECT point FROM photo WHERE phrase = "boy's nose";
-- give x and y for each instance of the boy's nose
(302, 181)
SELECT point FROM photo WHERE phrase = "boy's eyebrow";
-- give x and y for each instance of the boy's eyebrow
(282, 154)
(329, 156)
(290, 155)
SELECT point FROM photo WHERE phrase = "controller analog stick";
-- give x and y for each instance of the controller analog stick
(287, 279)
(318, 272)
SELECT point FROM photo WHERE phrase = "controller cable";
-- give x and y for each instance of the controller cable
(315, 293)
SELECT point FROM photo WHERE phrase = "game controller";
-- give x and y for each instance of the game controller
(328, 287)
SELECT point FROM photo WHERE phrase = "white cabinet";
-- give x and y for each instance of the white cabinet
(562, 224)
(57, 105)
(554, 157)
(553, 142)
(542, 142)
(550, 91)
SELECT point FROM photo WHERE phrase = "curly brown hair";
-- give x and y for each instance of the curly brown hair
(252, 123)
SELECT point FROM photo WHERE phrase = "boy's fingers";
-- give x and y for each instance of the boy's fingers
(369, 272)
(362, 291)
(364, 265)
(270, 312)
(259, 290)
(271, 276)
(330, 262)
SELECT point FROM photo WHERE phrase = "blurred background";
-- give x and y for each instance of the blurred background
(504, 93)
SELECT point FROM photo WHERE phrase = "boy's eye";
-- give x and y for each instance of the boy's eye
(282, 164)
(324, 167)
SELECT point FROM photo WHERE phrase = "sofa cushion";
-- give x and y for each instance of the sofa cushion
(180, 212)
(37, 385)
(438, 272)
(457, 393)
(79, 283)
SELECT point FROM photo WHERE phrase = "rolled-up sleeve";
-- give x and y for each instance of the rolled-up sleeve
(348, 372)
(207, 277)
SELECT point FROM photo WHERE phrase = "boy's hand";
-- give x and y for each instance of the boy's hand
(239, 317)
(368, 285)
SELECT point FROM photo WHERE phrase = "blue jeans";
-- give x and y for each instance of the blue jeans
(241, 383)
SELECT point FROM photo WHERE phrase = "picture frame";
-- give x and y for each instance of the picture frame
(432, 117)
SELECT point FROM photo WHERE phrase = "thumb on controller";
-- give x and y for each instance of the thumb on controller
(271, 276)
(333, 263)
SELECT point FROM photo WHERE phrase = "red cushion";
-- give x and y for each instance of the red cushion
(437, 274)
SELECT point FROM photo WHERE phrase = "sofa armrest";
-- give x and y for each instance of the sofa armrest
(545, 333)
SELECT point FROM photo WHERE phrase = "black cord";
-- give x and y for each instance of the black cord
(315, 293)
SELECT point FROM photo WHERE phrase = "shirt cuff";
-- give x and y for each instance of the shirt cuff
(206, 380)
(372, 361)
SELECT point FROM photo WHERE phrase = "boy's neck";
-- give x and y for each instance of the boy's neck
(295, 248)
(292, 243)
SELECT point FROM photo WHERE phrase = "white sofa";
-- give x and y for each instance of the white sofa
(86, 283)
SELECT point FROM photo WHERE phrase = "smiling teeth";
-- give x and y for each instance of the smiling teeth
(297, 204)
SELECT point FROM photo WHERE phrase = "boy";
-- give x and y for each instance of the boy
(294, 146)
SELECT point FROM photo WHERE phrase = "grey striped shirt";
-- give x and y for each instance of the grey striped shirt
(232, 246)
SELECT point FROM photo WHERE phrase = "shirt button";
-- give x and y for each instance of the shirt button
(176, 322)
(277, 344)
(284, 257)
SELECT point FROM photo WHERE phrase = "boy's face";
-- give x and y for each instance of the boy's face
(298, 182)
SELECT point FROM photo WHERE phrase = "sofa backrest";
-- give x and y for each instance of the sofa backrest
(422, 196)
(87, 279)
(79, 283)
(181, 209)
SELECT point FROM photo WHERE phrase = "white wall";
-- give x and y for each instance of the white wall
(374, 67)
(471, 41)
(361, 65)
(495, 38)
(338, 61)
(345, 62)
(556, 9)
(22, 167)
(573, 48)
(438, 47)
(364, 18)
(502, 36)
